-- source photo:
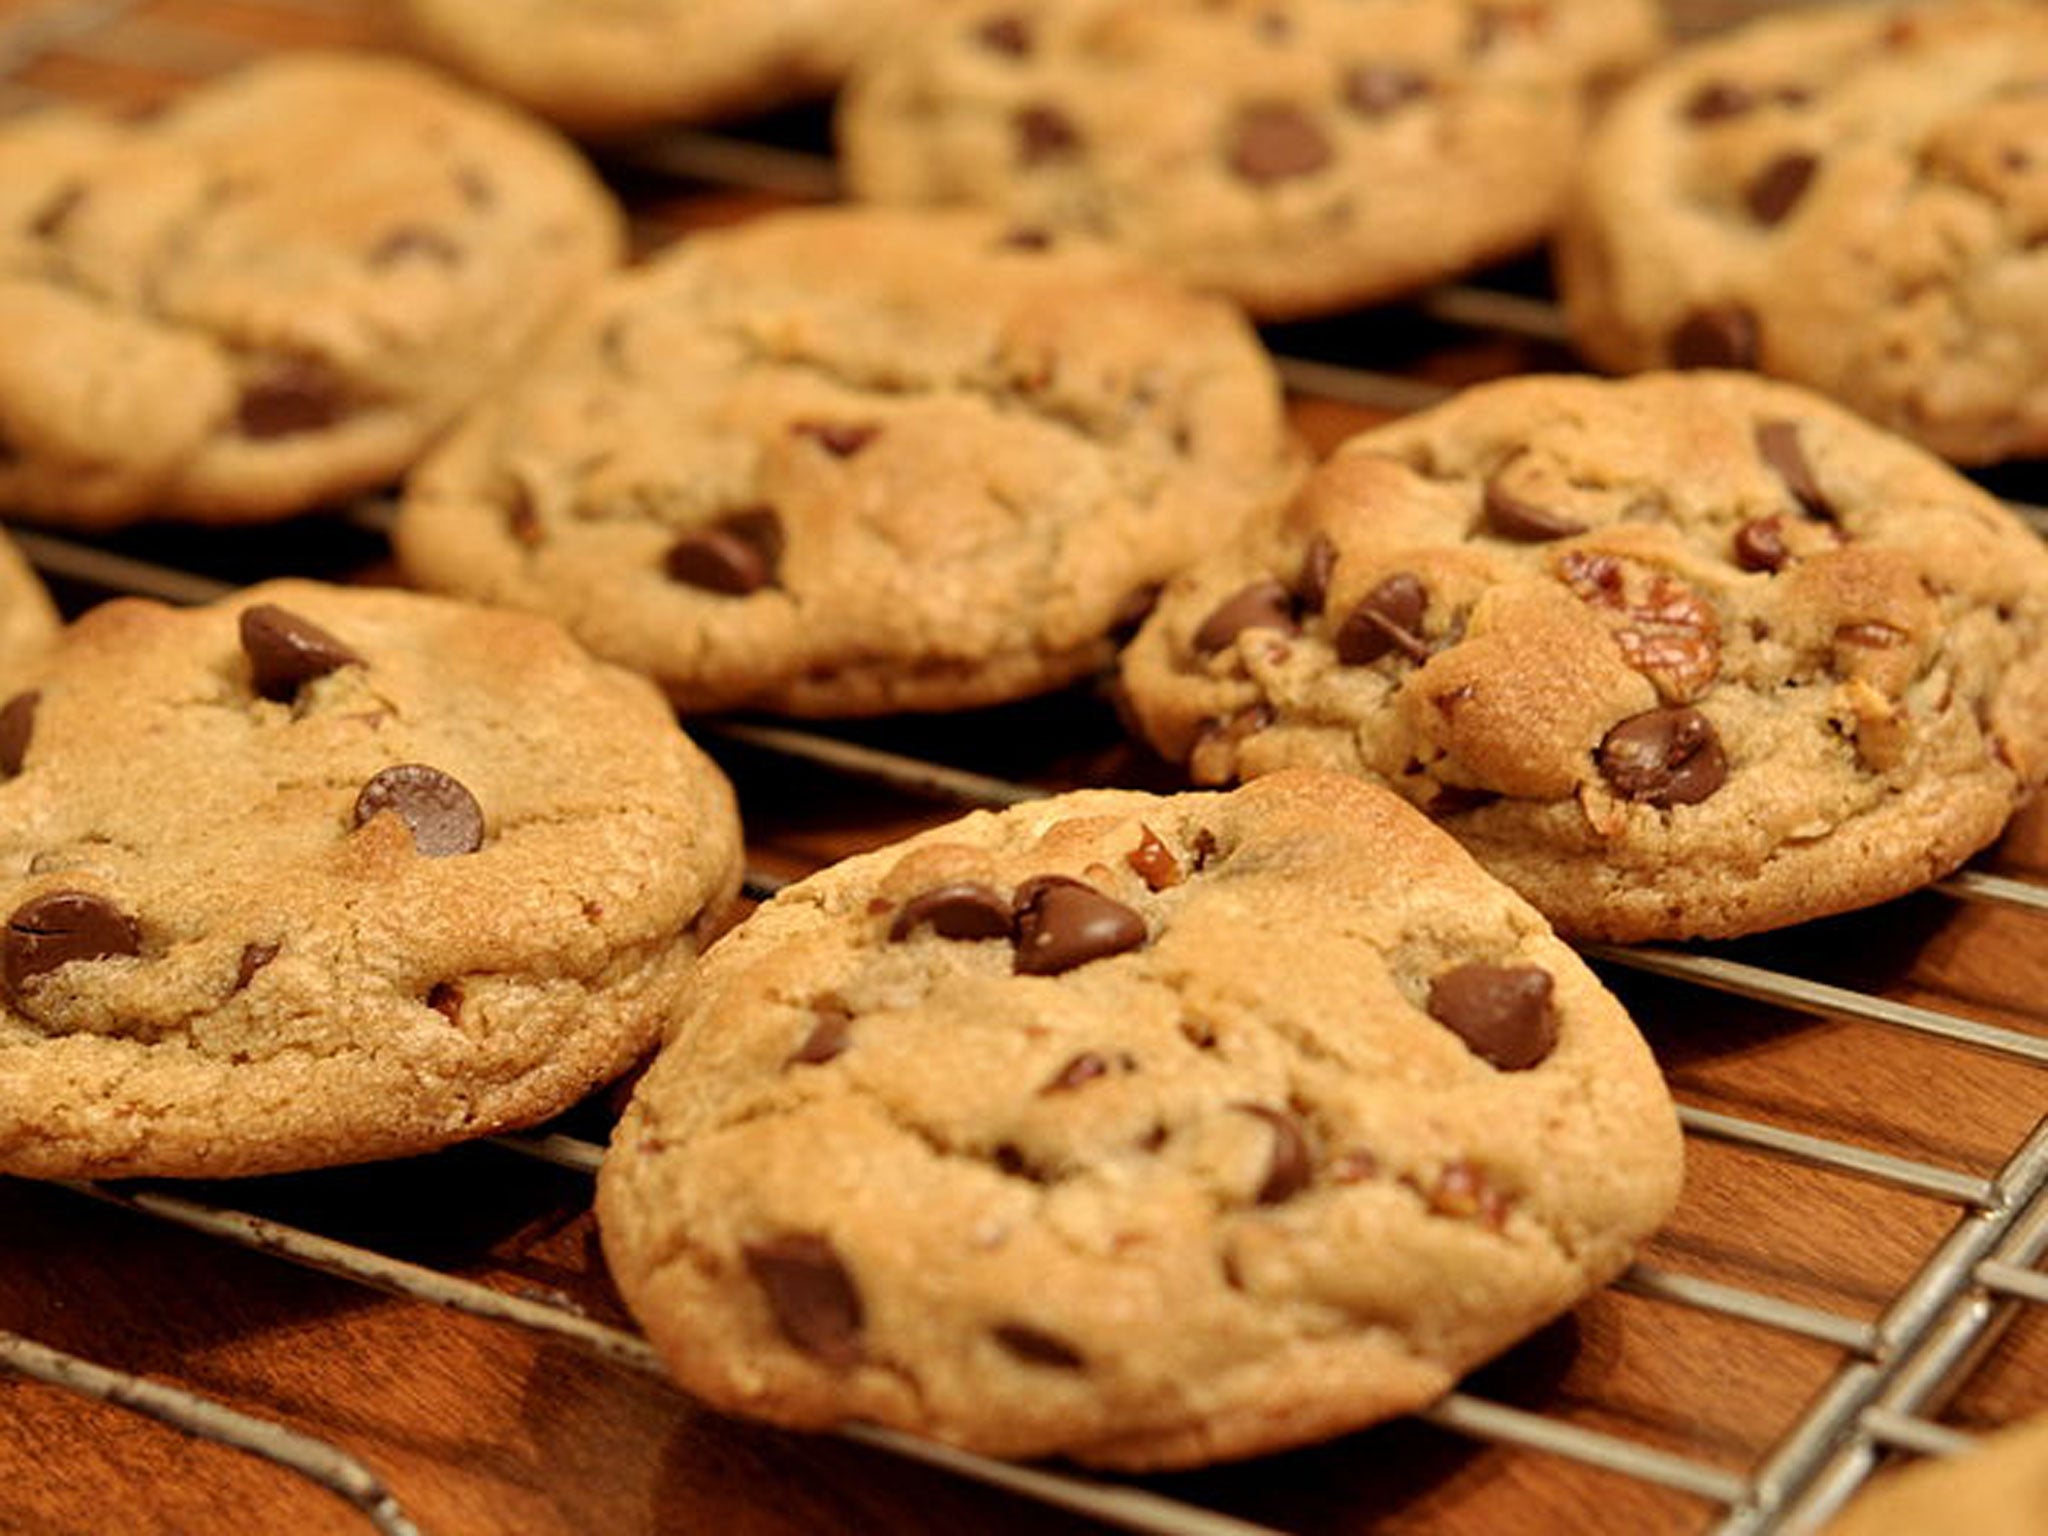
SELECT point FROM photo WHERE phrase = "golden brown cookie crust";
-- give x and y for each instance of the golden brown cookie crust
(1181, 1162)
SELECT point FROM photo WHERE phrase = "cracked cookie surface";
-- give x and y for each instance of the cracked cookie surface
(1683, 655)
(609, 68)
(319, 875)
(274, 293)
(859, 460)
(1143, 1130)
(1298, 155)
(1854, 198)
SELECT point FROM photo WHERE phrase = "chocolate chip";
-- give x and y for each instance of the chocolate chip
(1026, 238)
(1007, 34)
(17, 727)
(1664, 757)
(1204, 847)
(476, 188)
(445, 998)
(841, 439)
(961, 909)
(291, 395)
(522, 518)
(1062, 923)
(1760, 545)
(411, 242)
(1038, 1348)
(1276, 141)
(812, 1296)
(1374, 90)
(1515, 517)
(254, 958)
(58, 927)
(1719, 99)
(1134, 609)
(1777, 444)
(442, 816)
(285, 650)
(1389, 618)
(1502, 1012)
(1044, 133)
(1312, 581)
(1084, 1068)
(831, 1033)
(1289, 1167)
(1264, 604)
(1456, 799)
(50, 219)
(1154, 862)
(1716, 336)
(1775, 190)
(734, 556)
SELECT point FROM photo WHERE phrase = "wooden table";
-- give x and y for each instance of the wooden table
(482, 1426)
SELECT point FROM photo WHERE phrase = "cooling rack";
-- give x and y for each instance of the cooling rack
(432, 1346)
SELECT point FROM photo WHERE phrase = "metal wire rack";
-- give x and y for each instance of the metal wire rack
(1893, 1373)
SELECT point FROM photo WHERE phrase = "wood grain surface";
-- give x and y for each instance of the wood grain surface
(481, 1428)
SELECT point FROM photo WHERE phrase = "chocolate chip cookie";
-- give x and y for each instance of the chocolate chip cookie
(849, 461)
(1689, 654)
(1298, 155)
(276, 292)
(1999, 1489)
(318, 875)
(27, 619)
(1143, 1130)
(1852, 197)
(607, 68)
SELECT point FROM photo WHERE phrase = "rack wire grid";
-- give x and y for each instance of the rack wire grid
(1891, 1351)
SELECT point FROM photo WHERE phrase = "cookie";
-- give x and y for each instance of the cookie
(1998, 1489)
(275, 293)
(28, 622)
(1144, 1130)
(1851, 197)
(606, 69)
(1300, 156)
(1683, 655)
(317, 875)
(850, 461)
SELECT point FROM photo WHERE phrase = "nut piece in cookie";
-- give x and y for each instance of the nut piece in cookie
(1849, 197)
(318, 875)
(1686, 655)
(854, 461)
(1143, 1130)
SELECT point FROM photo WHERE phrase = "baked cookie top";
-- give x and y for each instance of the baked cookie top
(608, 68)
(28, 621)
(1999, 1489)
(1689, 654)
(1853, 197)
(1299, 155)
(275, 292)
(849, 461)
(317, 875)
(1148, 1131)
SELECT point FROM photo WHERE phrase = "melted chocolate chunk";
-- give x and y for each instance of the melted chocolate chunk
(1036, 1347)
(1389, 618)
(961, 909)
(58, 927)
(254, 958)
(50, 219)
(1026, 238)
(1777, 444)
(291, 395)
(735, 556)
(1374, 90)
(831, 1033)
(841, 439)
(445, 998)
(1717, 336)
(1776, 190)
(1515, 517)
(285, 651)
(17, 729)
(1502, 1012)
(1719, 99)
(1006, 34)
(1760, 545)
(442, 816)
(1154, 862)
(1044, 133)
(1134, 609)
(1062, 923)
(1664, 757)
(1289, 1167)
(1262, 605)
(1312, 581)
(813, 1298)
(1276, 141)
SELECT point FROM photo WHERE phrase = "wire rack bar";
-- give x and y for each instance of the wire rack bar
(561, 1151)
(1840, 1157)
(327, 1465)
(2013, 1280)
(1998, 890)
(1515, 1426)
(1750, 1307)
(102, 568)
(893, 770)
(1903, 1432)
